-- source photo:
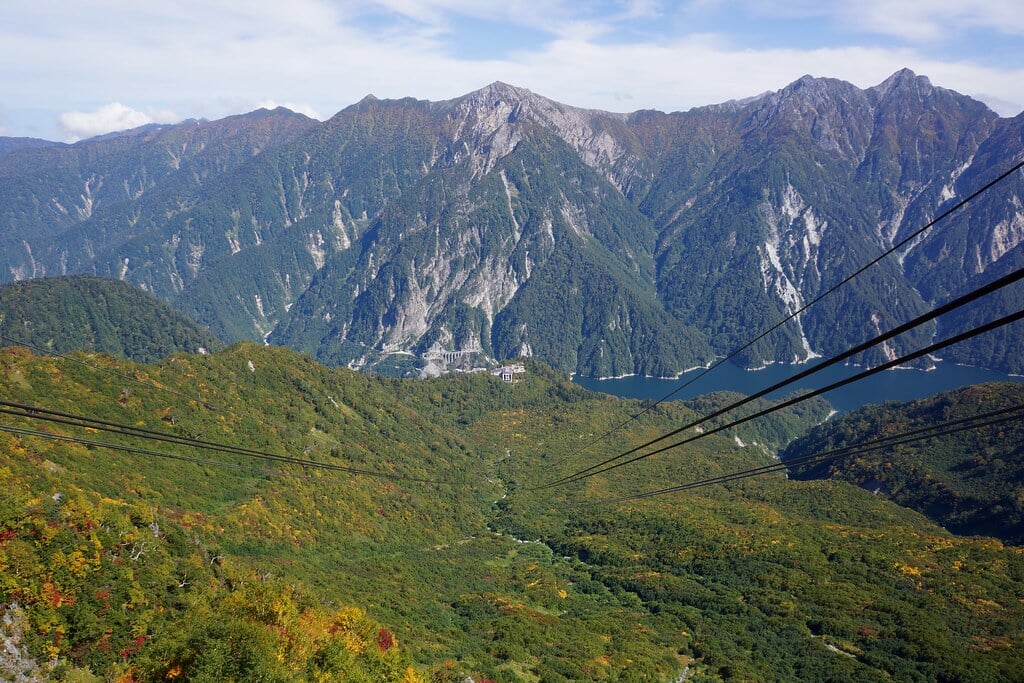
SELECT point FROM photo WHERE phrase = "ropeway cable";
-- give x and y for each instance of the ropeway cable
(988, 327)
(162, 454)
(59, 417)
(895, 247)
(943, 429)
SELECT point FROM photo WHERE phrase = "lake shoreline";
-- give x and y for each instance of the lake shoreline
(897, 384)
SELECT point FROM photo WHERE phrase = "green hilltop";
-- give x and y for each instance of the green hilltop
(83, 312)
(322, 575)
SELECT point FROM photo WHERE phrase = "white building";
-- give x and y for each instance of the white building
(509, 373)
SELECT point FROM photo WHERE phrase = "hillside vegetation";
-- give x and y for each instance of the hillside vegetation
(274, 577)
(95, 585)
(970, 483)
(83, 312)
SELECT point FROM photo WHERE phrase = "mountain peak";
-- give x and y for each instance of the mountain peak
(826, 110)
(901, 80)
(276, 112)
(506, 88)
(499, 91)
(367, 102)
(813, 84)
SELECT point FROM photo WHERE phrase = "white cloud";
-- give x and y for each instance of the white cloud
(934, 20)
(107, 119)
(704, 70)
(546, 15)
(297, 108)
(435, 19)
(998, 104)
(918, 21)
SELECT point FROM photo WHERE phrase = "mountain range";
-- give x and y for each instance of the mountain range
(602, 243)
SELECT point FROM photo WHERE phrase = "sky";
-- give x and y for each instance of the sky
(71, 69)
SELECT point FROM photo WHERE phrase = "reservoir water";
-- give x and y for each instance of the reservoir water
(892, 385)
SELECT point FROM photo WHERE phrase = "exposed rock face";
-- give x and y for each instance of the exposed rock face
(491, 122)
(604, 243)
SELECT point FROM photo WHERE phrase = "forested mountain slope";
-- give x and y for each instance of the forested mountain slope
(97, 588)
(96, 314)
(474, 574)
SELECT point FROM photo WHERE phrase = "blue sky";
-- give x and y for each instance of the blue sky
(74, 68)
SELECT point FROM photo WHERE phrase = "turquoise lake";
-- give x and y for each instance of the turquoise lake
(892, 385)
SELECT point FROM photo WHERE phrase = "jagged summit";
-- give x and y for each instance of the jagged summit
(904, 78)
(280, 110)
(833, 113)
(815, 86)
(807, 84)
(500, 93)
(491, 120)
(372, 102)
(733, 105)
(502, 90)
(495, 96)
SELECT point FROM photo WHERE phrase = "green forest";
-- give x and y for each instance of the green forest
(84, 312)
(970, 483)
(451, 563)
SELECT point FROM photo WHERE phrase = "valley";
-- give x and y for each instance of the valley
(762, 579)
